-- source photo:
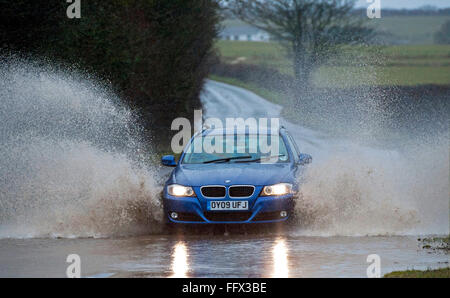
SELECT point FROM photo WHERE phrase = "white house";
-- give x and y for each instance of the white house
(244, 33)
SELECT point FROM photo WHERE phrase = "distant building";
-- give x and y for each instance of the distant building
(244, 33)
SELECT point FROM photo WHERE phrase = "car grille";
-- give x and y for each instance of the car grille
(228, 216)
(241, 191)
(213, 191)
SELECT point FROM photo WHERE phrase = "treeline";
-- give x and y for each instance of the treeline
(155, 53)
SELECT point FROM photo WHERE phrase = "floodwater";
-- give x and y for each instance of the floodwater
(66, 188)
(215, 256)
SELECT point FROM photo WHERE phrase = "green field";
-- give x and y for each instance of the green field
(341, 76)
(412, 30)
(409, 29)
(404, 65)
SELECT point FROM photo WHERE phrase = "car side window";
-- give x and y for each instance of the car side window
(294, 147)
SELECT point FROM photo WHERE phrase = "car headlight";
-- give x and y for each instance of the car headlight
(277, 189)
(180, 190)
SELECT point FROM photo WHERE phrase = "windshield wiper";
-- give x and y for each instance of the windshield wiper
(228, 159)
(264, 158)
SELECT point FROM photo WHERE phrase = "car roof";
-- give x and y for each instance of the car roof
(239, 131)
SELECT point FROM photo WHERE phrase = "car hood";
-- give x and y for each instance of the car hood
(237, 173)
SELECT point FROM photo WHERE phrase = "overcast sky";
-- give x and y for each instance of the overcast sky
(408, 3)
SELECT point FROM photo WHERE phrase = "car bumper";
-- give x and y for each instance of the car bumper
(264, 210)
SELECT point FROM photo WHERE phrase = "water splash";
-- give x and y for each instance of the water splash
(366, 191)
(382, 167)
(71, 160)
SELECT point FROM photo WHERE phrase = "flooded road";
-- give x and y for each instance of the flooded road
(216, 256)
(67, 192)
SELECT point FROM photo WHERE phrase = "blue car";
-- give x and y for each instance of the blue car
(240, 185)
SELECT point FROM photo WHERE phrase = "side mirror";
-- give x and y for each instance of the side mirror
(168, 161)
(305, 159)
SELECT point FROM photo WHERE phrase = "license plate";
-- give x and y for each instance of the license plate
(228, 205)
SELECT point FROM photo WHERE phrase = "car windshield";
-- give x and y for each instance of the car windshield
(236, 149)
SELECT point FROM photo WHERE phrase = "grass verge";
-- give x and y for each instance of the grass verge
(436, 273)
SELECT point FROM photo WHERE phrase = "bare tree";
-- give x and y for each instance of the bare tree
(312, 30)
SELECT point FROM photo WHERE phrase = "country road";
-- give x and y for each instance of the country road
(223, 100)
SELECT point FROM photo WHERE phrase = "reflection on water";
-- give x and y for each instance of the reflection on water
(180, 264)
(207, 256)
(280, 259)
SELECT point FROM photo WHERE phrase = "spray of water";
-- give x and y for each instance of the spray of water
(369, 177)
(71, 165)
(374, 192)
(70, 158)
